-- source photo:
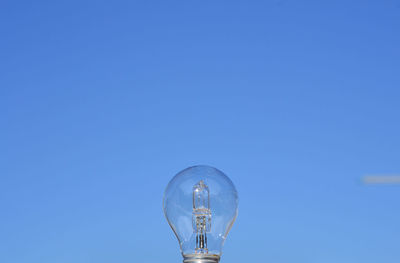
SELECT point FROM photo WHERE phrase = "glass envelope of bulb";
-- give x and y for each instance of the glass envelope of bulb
(200, 204)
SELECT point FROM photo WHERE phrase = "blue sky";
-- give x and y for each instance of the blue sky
(102, 102)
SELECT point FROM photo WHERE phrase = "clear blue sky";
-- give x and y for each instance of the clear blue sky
(102, 102)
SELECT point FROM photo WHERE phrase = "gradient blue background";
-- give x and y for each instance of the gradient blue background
(102, 102)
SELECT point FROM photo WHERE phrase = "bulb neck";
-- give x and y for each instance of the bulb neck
(201, 258)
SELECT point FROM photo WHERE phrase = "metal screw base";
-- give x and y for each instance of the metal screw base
(201, 258)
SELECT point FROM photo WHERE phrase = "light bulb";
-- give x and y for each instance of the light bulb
(200, 204)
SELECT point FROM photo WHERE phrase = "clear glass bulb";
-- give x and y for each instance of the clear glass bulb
(200, 204)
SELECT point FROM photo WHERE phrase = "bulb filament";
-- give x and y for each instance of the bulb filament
(201, 216)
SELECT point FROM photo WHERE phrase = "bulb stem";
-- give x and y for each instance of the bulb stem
(201, 258)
